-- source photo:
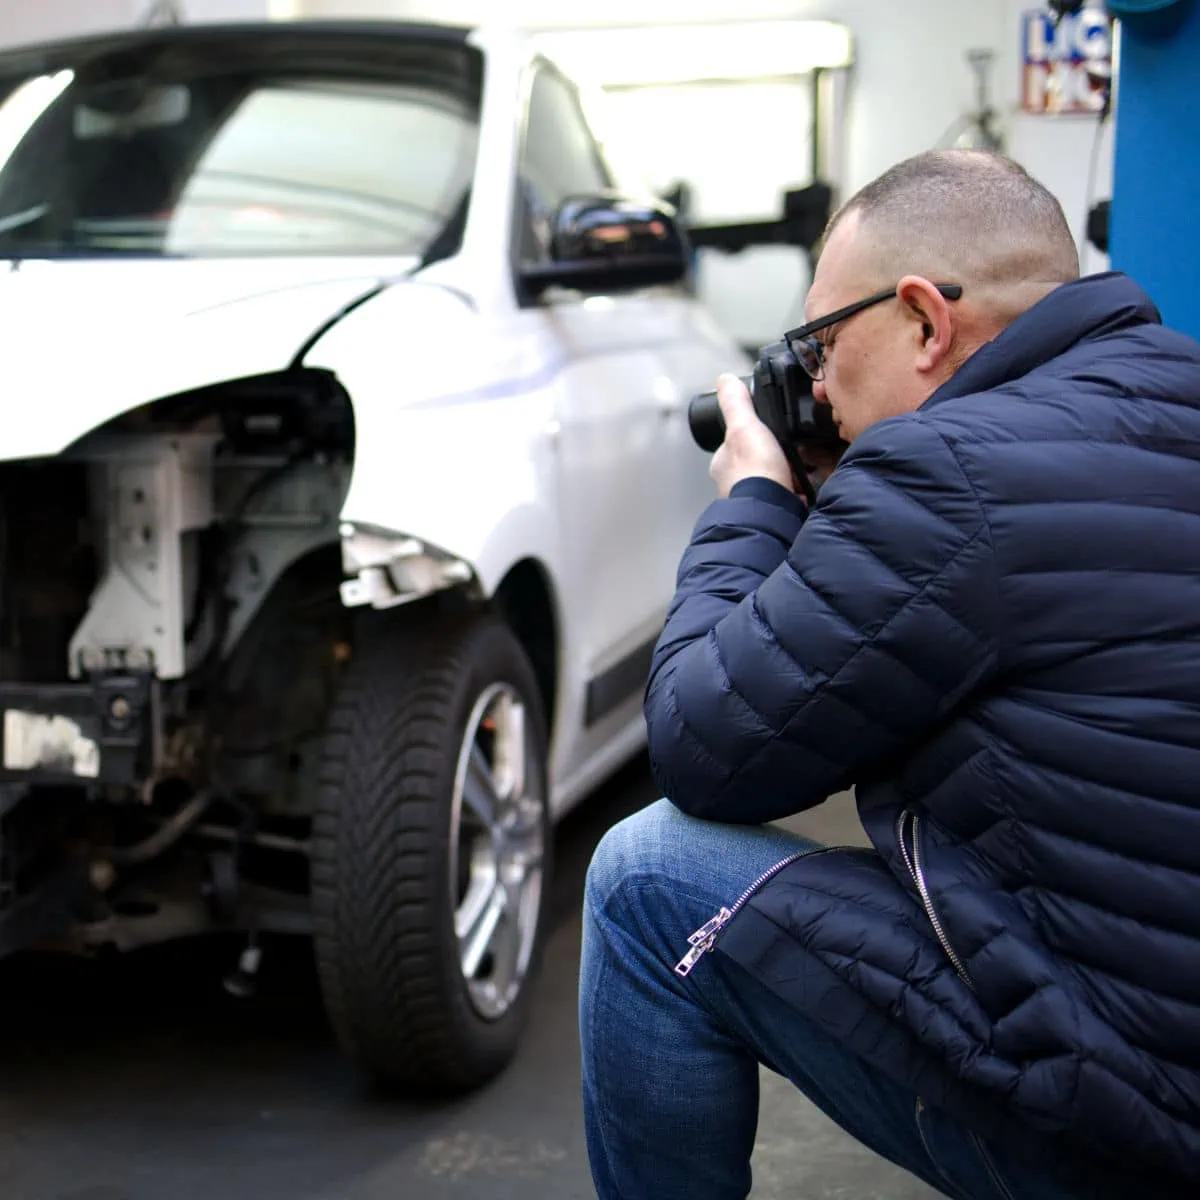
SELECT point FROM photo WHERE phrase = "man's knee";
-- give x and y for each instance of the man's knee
(636, 847)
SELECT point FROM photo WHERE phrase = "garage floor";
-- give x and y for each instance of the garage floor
(142, 1080)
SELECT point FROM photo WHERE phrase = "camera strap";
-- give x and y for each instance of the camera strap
(800, 473)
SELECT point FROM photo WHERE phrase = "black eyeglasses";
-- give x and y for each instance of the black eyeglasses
(810, 353)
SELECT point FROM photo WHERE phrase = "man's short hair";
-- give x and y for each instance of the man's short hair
(968, 216)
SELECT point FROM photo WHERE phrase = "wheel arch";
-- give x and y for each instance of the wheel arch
(527, 601)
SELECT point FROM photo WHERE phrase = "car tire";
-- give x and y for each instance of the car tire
(408, 873)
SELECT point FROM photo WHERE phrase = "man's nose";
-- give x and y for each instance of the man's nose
(818, 391)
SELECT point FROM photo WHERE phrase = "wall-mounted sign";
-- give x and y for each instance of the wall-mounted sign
(1065, 67)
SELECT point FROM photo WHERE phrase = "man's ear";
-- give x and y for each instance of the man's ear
(929, 310)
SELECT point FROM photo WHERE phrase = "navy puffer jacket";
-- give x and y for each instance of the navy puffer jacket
(990, 624)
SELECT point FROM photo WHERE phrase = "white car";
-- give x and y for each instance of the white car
(346, 473)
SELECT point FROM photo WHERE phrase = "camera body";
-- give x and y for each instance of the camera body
(782, 393)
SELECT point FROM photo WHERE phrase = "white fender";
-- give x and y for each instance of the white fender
(454, 428)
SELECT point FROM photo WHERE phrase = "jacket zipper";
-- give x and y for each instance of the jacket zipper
(703, 940)
(917, 871)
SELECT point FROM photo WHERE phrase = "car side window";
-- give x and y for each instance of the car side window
(559, 159)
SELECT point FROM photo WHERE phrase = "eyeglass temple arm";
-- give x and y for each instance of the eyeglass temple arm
(952, 291)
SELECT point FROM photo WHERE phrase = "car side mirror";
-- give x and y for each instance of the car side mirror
(610, 244)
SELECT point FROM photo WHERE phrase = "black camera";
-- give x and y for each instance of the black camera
(782, 393)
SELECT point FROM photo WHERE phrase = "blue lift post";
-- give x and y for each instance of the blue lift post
(1153, 234)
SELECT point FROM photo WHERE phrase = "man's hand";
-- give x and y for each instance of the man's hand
(749, 448)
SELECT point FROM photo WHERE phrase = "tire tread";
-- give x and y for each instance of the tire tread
(393, 993)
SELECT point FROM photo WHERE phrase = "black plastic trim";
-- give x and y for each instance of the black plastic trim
(91, 704)
(613, 687)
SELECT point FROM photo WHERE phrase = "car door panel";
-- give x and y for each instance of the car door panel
(608, 427)
(691, 355)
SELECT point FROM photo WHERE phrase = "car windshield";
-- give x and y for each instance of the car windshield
(182, 145)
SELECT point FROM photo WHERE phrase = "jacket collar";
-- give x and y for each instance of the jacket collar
(1084, 308)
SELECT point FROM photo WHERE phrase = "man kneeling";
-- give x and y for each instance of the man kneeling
(989, 625)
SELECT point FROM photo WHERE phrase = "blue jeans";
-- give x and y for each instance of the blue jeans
(670, 1064)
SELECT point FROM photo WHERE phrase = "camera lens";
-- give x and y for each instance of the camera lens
(706, 422)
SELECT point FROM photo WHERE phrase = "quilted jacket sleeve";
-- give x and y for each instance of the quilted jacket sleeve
(801, 655)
